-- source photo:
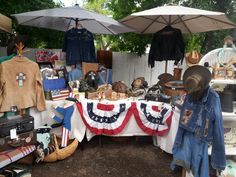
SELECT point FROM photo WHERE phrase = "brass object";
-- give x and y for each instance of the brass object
(19, 47)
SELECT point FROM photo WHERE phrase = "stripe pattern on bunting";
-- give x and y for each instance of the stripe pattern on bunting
(153, 118)
(105, 117)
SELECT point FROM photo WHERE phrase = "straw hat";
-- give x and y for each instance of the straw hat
(193, 58)
(196, 78)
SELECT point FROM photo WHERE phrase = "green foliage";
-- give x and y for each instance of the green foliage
(193, 42)
(130, 42)
(49, 38)
(102, 42)
(98, 6)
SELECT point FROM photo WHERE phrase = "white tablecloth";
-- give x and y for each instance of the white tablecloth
(79, 130)
(77, 125)
(166, 142)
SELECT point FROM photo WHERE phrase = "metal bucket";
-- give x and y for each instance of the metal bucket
(226, 100)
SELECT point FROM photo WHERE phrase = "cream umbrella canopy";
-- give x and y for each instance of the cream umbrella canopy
(188, 20)
(5, 23)
(64, 18)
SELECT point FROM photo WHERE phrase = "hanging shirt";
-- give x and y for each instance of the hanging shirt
(167, 44)
(104, 76)
(75, 74)
(79, 46)
(20, 85)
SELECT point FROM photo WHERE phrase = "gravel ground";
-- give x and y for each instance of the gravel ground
(130, 157)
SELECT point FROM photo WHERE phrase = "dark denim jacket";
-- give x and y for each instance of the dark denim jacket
(204, 119)
(79, 46)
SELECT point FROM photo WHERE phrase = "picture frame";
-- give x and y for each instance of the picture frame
(43, 65)
(61, 73)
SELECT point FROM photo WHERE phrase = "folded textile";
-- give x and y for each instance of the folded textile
(7, 157)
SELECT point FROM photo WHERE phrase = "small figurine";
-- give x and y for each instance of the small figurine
(19, 47)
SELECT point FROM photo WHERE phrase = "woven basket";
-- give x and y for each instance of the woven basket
(60, 154)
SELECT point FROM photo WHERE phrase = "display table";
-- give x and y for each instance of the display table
(166, 142)
(41, 118)
(79, 130)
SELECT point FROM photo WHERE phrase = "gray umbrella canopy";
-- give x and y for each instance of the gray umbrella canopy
(5, 23)
(64, 18)
(188, 20)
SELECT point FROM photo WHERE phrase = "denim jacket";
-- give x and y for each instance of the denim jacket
(204, 119)
(79, 46)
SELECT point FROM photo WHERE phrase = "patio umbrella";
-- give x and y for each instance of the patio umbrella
(64, 18)
(188, 20)
(5, 23)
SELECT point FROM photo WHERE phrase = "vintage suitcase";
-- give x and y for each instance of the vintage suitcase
(22, 124)
(24, 139)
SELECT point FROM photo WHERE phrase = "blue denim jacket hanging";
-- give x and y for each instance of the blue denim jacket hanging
(204, 119)
(79, 46)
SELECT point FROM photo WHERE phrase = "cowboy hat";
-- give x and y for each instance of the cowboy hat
(193, 58)
(196, 78)
(164, 78)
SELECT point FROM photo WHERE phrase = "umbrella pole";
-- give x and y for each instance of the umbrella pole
(166, 66)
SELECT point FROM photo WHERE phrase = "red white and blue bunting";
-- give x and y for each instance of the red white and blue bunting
(153, 118)
(105, 117)
(109, 118)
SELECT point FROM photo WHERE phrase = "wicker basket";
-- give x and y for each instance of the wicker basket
(60, 154)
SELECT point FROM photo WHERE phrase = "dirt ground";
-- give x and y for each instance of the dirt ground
(135, 157)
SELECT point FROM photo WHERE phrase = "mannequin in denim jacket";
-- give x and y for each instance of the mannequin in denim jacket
(200, 124)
